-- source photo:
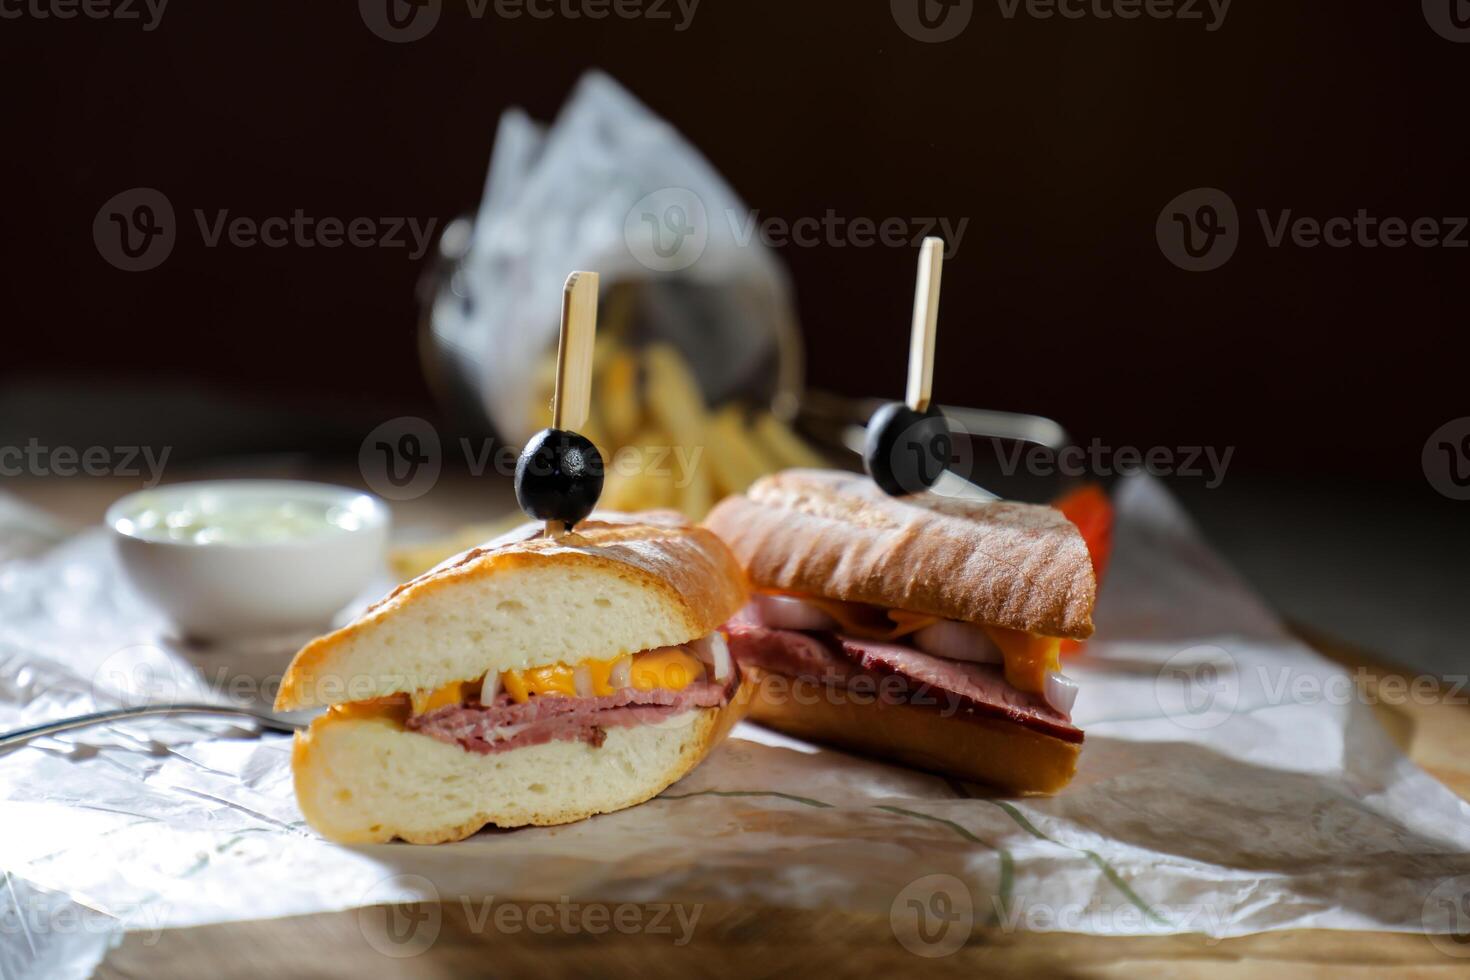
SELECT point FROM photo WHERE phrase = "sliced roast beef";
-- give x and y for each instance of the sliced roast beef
(792, 653)
(951, 686)
(507, 725)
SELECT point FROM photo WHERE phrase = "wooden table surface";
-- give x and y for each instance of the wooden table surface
(775, 941)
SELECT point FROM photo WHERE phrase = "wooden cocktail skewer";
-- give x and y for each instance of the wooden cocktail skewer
(908, 444)
(925, 322)
(559, 475)
(573, 397)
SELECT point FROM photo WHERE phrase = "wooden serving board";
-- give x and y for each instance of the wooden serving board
(746, 941)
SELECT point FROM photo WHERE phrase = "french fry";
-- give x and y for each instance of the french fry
(617, 313)
(598, 438)
(413, 560)
(704, 456)
(641, 489)
(625, 493)
(617, 396)
(543, 387)
(784, 445)
(697, 495)
(732, 453)
(674, 399)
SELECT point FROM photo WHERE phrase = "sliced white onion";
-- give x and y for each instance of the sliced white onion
(1060, 692)
(958, 641)
(714, 651)
(490, 688)
(622, 674)
(582, 679)
(784, 612)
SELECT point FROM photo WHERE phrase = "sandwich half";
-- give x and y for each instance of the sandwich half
(923, 629)
(532, 680)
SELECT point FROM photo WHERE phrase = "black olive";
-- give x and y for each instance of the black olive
(905, 451)
(559, 476)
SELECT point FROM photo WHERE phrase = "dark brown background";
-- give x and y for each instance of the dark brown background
(1060, 140)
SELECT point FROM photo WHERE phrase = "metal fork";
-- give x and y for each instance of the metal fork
(267, 720)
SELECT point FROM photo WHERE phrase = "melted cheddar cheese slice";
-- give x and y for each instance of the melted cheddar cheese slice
(871, 622)
(1028, 657)
(395, 706)
(673, 668)
(453, 693)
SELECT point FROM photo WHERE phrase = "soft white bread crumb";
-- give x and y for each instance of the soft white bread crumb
(369, 780)
(609, 589)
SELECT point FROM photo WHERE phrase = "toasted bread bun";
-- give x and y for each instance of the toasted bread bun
(998, 753)
(369, 780)
(618, 584)
(836, 535)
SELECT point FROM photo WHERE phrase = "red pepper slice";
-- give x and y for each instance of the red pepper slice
(1088, 507)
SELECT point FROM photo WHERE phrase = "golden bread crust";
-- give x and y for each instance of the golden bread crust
(836, 535)
(687, 567)
(998, 753)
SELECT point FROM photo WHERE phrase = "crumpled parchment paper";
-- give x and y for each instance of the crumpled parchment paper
(1217, 792)
(610, 186)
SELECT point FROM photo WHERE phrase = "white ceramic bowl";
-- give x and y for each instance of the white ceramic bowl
(220, 584)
